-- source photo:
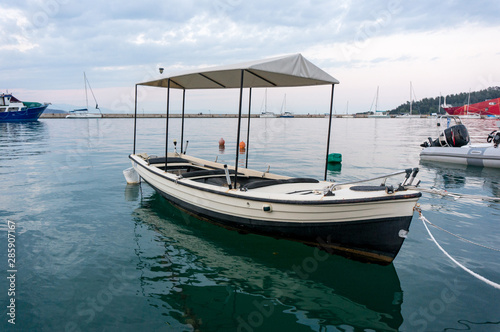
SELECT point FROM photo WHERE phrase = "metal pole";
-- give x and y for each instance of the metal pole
(182, 124)
(135, 117)
(329, 132)
(248, 129)
(238, 134)
(166, 131)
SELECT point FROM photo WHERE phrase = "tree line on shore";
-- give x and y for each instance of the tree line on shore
(431, 105)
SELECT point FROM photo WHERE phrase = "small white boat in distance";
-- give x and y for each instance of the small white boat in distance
(453, 146)
(267, 115)
(83, 113)
(363, 222)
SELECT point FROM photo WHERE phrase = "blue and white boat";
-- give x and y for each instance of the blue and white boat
(14, 110)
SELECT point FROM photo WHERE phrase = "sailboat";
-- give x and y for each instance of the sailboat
(83, 113)
(410, 115)
(266, 113)
(381, 114)
(284, 112)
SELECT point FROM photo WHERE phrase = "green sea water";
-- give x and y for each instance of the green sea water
(95, 254)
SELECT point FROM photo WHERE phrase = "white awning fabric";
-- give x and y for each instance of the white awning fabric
(284, 71)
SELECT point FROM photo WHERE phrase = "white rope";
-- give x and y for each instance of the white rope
(455, 195)
(459, 237)
(474, 274)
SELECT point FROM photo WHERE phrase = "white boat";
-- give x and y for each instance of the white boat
(284, 112)
(453, 146)
(363, 222)
(377, 114)
(265, 113)
(410, 115)
(83, 113)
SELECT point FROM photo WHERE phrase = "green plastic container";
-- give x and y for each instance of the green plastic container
(335, 158)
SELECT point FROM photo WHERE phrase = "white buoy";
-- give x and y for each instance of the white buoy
(131, 176)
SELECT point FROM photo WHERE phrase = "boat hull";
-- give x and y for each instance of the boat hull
(29, 114)
(368, 229)
(482, 156)
(485, 108)
(84, 116)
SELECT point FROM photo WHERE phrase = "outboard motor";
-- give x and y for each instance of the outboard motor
(455, 136)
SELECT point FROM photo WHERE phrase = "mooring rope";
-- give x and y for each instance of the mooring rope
(455, 235)
(474, 274)
(456, 195)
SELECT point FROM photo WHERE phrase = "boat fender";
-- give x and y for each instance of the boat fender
(228, 178)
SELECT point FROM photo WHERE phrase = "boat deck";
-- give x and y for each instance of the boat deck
(250, 183)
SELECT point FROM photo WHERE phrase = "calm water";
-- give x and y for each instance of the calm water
(95, 254)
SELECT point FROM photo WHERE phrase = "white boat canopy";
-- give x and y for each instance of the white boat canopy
(284, 71)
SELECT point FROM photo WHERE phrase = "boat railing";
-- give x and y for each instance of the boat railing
(411, 173)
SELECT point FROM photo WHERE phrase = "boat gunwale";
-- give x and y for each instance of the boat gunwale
(242, 194)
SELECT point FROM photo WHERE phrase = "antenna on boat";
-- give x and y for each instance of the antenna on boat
(187, 142)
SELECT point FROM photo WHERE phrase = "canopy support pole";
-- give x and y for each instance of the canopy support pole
(248, 129)
(166, 125)
(238, 134)
(182, 122)
(135, 118)
(329, 132)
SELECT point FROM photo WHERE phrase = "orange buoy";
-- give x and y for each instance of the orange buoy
(222, 142)
(242, 145)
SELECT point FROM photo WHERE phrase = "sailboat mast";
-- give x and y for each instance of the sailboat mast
(376, 101)
(439, 104)
(468, 103)
(86, 96)
(283, 105)
(265, 102)
(410, 98)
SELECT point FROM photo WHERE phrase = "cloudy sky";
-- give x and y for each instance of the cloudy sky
(440, 46)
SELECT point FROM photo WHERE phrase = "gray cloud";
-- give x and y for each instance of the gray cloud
(48, 43)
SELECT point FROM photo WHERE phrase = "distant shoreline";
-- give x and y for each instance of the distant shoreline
(125, 116)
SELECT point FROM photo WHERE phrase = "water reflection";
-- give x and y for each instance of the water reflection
(455, 176)
(334, 168)
(15, 136)
(216, 279)
(132, 192)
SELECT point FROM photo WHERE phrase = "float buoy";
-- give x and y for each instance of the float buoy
(335, 158)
